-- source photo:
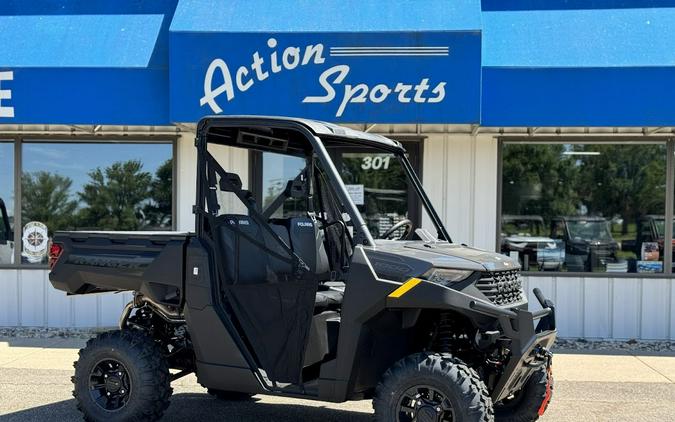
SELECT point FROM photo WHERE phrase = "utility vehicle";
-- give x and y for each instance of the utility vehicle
(524, 234)
(650, 228)
(589, 244)
(310, 305)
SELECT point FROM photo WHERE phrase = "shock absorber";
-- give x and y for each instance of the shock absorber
(445, 334)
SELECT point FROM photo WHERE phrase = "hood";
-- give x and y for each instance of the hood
(450, 255)
(529, 239)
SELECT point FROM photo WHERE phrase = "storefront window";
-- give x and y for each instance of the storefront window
(584, 207)
(92, 186)
(379, 188)
(6, 202)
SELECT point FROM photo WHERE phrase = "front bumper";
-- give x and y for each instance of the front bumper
(532, 333)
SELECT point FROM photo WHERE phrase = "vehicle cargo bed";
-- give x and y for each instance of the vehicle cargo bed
(98, 261)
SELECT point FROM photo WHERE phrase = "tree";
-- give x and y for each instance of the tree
(115, 196)
(625, 180)
(46, 198)
(158, 211)
(537, 180)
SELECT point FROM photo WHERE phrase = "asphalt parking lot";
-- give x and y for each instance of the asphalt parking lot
(617, 386)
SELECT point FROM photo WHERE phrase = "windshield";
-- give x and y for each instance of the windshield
(524, 227)
(382, 185)
(590, 230)
(661, 227)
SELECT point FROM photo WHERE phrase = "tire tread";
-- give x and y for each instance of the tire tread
(453, 371)
(151, 366)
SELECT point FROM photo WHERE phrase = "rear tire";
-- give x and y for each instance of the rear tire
(229, 395)
(432, 387)
(527, 403)
(122, 376)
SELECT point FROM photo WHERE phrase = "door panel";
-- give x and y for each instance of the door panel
(271, 298)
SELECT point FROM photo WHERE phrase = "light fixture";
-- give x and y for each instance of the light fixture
(581, 153)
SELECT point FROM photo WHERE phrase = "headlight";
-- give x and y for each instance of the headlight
(446, 277)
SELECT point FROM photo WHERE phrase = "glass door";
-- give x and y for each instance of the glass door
(379, 187)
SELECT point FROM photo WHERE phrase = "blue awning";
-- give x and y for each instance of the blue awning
(62, 67)
(336, 60)
(606, 67)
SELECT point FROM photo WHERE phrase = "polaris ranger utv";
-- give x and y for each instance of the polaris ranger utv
(308, 306)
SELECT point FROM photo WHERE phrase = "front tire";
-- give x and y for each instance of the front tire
(530, 402)
(432, 387)
(120, 376)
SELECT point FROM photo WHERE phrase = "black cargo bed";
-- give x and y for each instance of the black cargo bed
(100, 261)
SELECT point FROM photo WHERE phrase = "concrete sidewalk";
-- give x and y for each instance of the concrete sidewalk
(35, 385)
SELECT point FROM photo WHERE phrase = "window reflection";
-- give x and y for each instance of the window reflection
(584, 207)
(379, 187)
(6, 203)
(92, 186)
(277, 171)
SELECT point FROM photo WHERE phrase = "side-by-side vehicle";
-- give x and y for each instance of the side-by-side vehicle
(307, 304)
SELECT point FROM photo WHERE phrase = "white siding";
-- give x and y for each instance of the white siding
(232, 159)
(29, 300)
(616, 308)
(9, 294)
(460, 176)
(186, 171)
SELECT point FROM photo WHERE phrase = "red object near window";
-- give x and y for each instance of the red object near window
(55, 251)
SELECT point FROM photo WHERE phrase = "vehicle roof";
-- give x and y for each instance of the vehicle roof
(654, 216)
(318, 127)
(522, 217)
(582, 218)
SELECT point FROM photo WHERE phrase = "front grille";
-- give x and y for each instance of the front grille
(501, 287)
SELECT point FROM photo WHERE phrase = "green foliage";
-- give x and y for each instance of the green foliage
(536, 181)
(628, 181)
(115, 196)
(158, 211)
(620, 180)
(46, 198)
(119, 197)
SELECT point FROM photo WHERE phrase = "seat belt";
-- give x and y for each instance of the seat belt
(301, 266)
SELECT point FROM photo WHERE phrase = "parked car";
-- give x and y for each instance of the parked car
(650, 229)
(303, 307)
(589, 244)
(6, 236)
(525, 234)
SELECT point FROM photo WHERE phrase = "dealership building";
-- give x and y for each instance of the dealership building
(544, 130)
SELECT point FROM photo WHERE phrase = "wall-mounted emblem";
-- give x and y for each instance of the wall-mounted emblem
(35, 241)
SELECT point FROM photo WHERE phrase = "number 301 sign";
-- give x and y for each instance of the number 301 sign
(377, 162)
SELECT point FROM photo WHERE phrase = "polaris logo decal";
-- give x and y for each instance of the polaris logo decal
(334, 85)
(304, 224)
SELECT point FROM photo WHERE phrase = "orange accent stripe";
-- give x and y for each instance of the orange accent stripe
(405, 288)
(547, 397)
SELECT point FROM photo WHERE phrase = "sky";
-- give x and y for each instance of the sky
(76, 160)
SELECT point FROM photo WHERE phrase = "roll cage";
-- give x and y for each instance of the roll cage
(293, 136)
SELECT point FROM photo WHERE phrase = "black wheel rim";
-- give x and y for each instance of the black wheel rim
(423, 403)
(109, 385)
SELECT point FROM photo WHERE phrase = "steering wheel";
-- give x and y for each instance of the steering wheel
(403, 223)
